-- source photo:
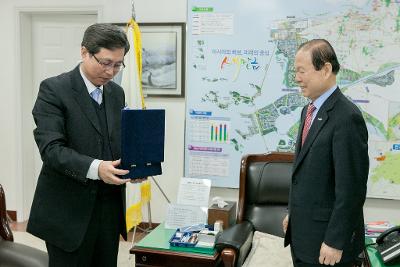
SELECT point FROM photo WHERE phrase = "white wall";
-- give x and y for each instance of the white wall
(110, 11)
(10, 114)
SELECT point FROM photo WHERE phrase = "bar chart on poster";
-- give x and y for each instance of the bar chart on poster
(242, 96)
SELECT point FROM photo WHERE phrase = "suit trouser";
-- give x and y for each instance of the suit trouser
(100, 244)
(298, 263)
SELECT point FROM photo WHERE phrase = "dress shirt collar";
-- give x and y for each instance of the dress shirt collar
(89, 85)
(322, 98)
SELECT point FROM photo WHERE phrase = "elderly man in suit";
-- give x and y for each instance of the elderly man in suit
(325, 223)
(79, 202)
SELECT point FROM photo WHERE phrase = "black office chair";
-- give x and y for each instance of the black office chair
(14, 254)
(263, 199)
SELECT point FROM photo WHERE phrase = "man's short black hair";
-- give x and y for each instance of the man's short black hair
(321, 53)
(104, 35)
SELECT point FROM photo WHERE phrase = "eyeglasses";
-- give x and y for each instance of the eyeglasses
(107, 64)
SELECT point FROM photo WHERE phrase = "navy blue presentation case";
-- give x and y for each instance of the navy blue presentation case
(142, 142)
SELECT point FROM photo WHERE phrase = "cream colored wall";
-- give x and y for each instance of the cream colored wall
(111, 11)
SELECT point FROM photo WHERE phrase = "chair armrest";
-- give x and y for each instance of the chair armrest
(15, 254)
(228, 256)
(5, 231)
(234, 243)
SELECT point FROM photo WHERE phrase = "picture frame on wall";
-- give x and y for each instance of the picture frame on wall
(163, 58)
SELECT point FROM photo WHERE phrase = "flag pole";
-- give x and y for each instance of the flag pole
(138, 54)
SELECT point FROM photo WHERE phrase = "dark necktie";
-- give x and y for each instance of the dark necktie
(307, 123)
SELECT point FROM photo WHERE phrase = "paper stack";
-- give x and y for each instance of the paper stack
(192, 202)
(375, 228)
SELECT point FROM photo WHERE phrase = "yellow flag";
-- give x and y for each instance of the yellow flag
(137, 44)
(141, 192)
(145, 189)
(134, 204)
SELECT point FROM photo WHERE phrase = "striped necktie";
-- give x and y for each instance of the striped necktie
(97, 95)
(307, 123)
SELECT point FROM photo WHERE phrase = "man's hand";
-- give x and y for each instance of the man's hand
(328, 255)
(285, 223)
(108, 172)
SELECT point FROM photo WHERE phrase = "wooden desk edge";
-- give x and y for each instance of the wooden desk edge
(175, 253)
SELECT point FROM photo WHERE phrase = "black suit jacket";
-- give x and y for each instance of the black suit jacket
(329, 182)
(69, 138)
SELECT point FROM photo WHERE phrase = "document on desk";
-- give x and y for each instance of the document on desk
(194, 192)
(191, 207)
(184, 215)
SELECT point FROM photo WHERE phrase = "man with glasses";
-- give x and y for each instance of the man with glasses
(79, 203)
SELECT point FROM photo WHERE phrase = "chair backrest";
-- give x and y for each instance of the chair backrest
(264, 190)
(5, 231)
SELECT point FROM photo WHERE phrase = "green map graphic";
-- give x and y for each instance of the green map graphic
(367, 41)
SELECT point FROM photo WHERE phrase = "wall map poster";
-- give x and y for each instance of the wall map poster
(242, 97)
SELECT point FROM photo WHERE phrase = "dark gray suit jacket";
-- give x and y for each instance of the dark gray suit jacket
(69, 138)
(329, 182)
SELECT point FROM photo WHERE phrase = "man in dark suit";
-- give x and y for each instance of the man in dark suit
(79, 202)
(325, 223)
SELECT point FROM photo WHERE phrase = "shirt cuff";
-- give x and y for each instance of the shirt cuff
(93, 172)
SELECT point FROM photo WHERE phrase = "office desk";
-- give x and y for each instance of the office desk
(154, 250)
